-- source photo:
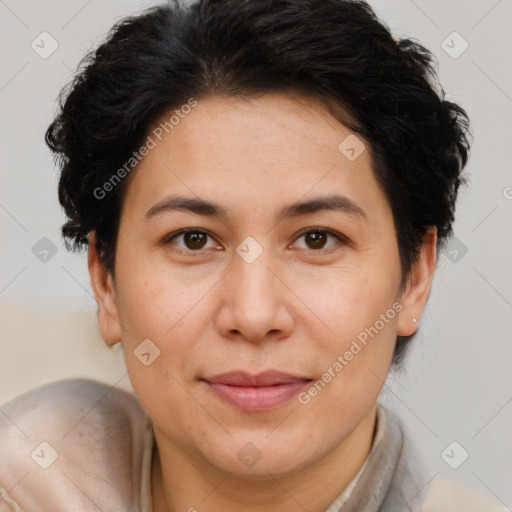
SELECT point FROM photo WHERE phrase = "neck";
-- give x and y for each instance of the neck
(181, 483)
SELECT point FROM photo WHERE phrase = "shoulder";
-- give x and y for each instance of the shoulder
(411, 473)
(444, 495)
(71, 445)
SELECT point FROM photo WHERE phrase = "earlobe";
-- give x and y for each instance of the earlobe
(105, 294)
(417, 290)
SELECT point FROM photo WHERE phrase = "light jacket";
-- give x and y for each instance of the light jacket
(80, 445)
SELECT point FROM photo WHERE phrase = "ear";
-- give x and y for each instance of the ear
(417, 290)
(105, 294)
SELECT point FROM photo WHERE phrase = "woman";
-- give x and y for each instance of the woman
(264, 188)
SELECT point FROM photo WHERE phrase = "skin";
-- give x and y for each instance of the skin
(295, 308)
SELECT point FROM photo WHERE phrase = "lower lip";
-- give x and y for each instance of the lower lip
(257, 398)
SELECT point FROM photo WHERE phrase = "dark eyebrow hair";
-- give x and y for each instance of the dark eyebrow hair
(202, 207)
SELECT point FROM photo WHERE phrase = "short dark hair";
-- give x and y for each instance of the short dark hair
(382, 88)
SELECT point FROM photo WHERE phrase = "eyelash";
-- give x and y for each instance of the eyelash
(315, 229)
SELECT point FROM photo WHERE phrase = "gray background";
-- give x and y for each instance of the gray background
(457, 383)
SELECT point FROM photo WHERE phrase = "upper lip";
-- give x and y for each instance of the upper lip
(267, 378)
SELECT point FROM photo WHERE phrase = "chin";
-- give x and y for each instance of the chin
(259, 457)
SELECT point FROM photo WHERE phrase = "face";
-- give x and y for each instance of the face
(261, 287)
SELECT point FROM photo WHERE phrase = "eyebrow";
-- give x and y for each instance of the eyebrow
(333, 202)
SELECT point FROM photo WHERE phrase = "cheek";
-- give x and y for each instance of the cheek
(158, 306)
(356, 349)
(156, 300)
(349, 300)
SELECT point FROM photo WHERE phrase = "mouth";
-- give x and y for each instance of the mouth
(261, 392)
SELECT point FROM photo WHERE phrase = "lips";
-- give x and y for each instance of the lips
(267, 378)
(260, 392)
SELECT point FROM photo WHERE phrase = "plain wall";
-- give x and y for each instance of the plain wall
(457, 384)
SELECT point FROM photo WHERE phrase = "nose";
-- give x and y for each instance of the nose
(255, 301)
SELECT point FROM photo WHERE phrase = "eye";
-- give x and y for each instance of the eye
(193, 239)
(316, 238)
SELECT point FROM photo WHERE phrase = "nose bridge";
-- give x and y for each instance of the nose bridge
(255, 303)
(253, 279)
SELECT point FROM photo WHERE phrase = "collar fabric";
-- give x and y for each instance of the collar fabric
(79, 444)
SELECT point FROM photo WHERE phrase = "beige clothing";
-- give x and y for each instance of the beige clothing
(78, 445)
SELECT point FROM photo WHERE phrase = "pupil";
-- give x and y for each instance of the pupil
(194, 240)
(318, 239)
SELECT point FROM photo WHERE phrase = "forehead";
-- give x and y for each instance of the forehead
(259, 149)
(299, 125)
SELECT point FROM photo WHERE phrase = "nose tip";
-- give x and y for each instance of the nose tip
(254, 301)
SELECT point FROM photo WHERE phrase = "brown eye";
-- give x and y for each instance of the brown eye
(191, 240)
(316, 239)
(194, 240)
